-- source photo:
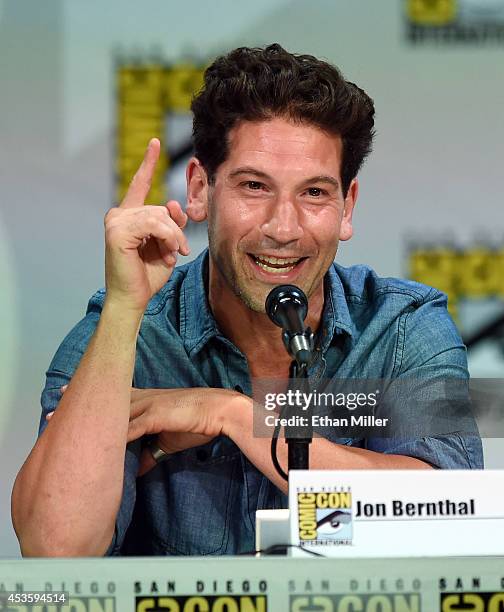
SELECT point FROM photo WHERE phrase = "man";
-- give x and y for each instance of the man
(279, 140)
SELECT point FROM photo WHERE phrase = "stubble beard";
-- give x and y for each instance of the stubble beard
(229, 276)
(228, 273)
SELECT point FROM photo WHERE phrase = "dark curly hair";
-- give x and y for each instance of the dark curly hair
(256, 84)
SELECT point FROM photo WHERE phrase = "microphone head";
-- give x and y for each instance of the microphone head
(284, 298)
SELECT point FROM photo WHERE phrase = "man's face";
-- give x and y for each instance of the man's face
(276, 211)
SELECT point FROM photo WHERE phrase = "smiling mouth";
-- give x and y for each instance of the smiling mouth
(276, 265)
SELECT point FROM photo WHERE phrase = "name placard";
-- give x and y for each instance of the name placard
(396, 513)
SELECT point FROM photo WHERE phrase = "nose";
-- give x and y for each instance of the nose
(283, 221)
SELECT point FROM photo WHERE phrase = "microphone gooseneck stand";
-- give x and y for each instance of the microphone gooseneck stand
(299, 445)
(287, 307)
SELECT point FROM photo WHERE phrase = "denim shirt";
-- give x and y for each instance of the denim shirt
(202, 501)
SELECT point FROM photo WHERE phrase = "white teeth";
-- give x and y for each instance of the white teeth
(274, 270)
(286, 263)
(275, 260)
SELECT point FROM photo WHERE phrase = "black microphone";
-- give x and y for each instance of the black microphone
(287, 307)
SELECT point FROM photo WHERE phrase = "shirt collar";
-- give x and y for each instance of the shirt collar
(198, 326)
(335, 316)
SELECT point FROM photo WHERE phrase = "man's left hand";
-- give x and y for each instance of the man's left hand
(181, 418)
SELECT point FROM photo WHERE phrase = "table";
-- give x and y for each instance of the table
(248, 584)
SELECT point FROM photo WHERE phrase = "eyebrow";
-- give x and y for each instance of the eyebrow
(249, 170)
(321, 178)
(324, 178)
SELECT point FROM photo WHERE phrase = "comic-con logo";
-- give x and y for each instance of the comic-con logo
(371, 602)
(325, 517)
(202, 603)
(475, 602)
(431, 12)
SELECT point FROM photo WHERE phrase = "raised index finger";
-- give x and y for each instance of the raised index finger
(141, 182)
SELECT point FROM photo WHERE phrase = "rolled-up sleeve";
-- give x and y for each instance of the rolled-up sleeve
(60, 372)
(431, 392)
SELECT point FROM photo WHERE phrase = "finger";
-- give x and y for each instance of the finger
(63, 389)
(138, 394)
(180, 218)
(141, 182)
(169, 257)
(138, 407)
(139, 426)
(183, 246)
(147, 222)
(166, 243)
(163, 251)
(176, 213)
(163, 229)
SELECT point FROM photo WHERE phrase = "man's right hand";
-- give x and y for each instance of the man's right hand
(68, 493)
(142, 242)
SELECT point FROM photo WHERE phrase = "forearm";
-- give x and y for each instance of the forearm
(324, 455)
(67, 494)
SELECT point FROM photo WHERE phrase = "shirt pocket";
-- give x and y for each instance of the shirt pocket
(192, 511)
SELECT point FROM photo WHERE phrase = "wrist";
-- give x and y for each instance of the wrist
(121, 318)
(236, 416)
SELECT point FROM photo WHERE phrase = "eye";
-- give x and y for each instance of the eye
(315, 192)
(254, 185)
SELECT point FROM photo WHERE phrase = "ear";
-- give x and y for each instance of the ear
(197, 190)
(346, 228)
